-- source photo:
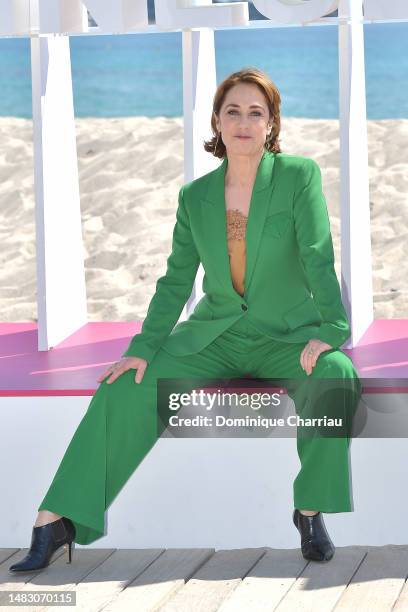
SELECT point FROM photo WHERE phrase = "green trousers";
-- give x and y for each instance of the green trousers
(120, 426)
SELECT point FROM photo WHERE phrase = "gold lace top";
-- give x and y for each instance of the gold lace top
(236, 228)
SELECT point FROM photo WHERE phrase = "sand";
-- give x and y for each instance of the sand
(130, 172)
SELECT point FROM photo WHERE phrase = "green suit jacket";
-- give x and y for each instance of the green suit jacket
(291, 289)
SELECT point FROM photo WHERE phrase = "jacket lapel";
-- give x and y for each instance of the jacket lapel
(215, 218)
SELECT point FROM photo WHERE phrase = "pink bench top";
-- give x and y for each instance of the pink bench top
(73, 366)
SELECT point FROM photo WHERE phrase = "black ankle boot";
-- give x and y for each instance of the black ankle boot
(315, 541)
(45, 540)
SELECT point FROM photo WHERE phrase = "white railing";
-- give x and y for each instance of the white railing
(49, 23)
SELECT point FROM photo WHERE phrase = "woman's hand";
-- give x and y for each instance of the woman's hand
(126, 363)
(311, 353)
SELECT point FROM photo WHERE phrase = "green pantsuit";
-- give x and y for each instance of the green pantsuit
(291, 296)
(120, 426)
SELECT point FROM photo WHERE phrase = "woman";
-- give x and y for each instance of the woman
(259, 226)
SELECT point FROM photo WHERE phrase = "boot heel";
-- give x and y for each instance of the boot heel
(68, 547)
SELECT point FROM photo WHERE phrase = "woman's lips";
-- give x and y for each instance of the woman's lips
(243, 137)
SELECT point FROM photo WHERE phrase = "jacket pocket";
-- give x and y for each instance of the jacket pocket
(277, 224)
(305, 313)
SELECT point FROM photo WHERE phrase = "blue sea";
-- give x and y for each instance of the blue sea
(141, 74)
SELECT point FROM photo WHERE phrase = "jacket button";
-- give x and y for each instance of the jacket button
(244, 307)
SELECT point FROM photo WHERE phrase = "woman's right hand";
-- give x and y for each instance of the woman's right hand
(125, 363)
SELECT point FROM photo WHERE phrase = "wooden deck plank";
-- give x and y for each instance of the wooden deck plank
(267, 582)
(110, 577)
(370, 579)
(401, 605)
(378, 581)
(62, 576)
(214, 581)
(161, 580)
(321, 585)
(6, 553)
(10, 581)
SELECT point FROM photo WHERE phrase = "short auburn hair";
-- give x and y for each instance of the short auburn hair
(273, 100)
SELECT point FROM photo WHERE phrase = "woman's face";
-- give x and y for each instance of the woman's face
(244, 113)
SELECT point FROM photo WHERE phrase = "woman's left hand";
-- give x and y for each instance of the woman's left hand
(311, 353)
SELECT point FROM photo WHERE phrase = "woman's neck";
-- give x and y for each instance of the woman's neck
(241, 170)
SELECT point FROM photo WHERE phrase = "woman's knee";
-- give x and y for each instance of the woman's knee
(336, 364)
(341, 377)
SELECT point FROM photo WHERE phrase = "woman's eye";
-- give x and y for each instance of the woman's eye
(254, 112)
